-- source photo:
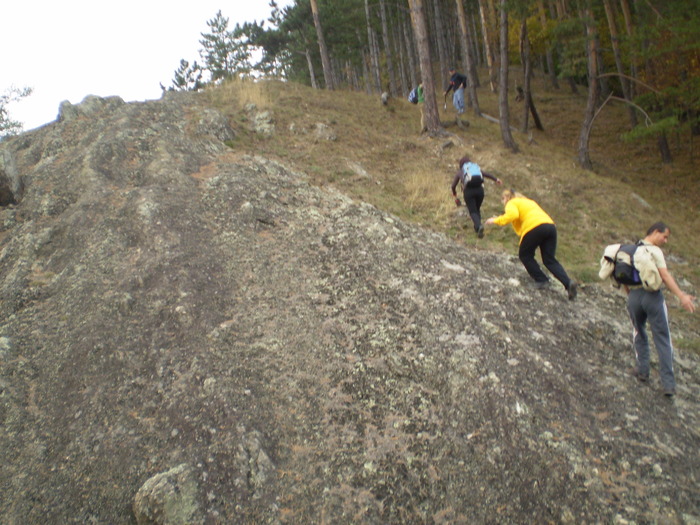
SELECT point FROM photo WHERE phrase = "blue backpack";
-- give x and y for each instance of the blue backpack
(471, 174)
(413, 96)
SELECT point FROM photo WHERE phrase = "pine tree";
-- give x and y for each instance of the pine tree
(218, 48)
(8, 126)
(188, 78)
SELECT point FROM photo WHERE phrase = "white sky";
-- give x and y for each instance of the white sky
(66, 50)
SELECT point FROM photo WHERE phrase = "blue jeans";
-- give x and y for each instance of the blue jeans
(458, 100)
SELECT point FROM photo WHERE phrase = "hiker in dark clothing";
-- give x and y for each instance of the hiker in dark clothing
(458, 83)
(472, 179)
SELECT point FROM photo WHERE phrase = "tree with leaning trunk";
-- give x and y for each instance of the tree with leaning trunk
(325, 60)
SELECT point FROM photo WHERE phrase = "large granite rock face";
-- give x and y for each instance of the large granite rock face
(166, 303)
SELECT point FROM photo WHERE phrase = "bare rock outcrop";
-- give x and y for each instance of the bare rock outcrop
(312, 359)
(169, 498)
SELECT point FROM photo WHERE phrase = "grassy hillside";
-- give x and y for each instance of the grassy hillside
(380, 156)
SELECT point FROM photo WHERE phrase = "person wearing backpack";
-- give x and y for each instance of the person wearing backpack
(649, 305)
(472, 178)
(536, 229)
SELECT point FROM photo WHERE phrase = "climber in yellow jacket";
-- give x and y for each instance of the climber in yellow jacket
(536, 229)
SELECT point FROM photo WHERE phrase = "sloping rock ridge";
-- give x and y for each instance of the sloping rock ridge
(192, 335)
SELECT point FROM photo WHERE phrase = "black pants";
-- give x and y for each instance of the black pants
(543, 237)
(473, 198)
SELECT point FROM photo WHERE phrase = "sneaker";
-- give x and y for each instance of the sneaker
(480, 232)
(669, 392)
(572, 290)
(643, 378)
(541, 285)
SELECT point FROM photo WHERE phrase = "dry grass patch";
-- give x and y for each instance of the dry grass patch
(241, 92)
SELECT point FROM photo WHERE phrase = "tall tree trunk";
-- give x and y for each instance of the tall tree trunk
(526, 75)
(373, 53)
(310, 63)
(387, 49)
(402, 58)
(584, 158)
(503, 83)
(365, 58)
(412, 59)
(477, 50)
(351, 76)
(376, 67)
(562, 8)
(602, 78)
(430, 110)
(549, 55)
(466, 53)
(528, 102)
(664, 149)
(440, 39)
(629, 28)
(615, 39)
(366, 73)
(325, 61)
(487, 32)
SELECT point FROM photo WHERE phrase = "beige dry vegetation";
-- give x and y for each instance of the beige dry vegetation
(243, 92)
(380, 156)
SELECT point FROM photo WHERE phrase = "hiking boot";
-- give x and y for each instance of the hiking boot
(572, 290)
(642, 378)
(669, 392)
(480, 232)
(541, 285)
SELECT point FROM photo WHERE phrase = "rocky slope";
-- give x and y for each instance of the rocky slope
(190, 335)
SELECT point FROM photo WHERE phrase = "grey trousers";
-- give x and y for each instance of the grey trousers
(646, 306)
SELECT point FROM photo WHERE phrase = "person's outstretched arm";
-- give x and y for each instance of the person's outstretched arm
(685, 299)
(492, 177)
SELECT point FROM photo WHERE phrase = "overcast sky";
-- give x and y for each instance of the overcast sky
(66, 50)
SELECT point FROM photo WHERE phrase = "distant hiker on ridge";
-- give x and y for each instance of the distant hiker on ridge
(536, 229)
(472, 179)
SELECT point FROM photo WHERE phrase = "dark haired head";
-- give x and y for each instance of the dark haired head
(658, 227)
(463, 160)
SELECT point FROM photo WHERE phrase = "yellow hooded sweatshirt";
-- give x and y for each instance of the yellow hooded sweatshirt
(524, 214)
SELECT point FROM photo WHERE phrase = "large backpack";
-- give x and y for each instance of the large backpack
(471, 174)
(413, 96)
(630, 265)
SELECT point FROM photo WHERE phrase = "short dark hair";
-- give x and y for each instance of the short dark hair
(658, 227)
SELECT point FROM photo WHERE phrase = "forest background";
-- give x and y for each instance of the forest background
(640, 53)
